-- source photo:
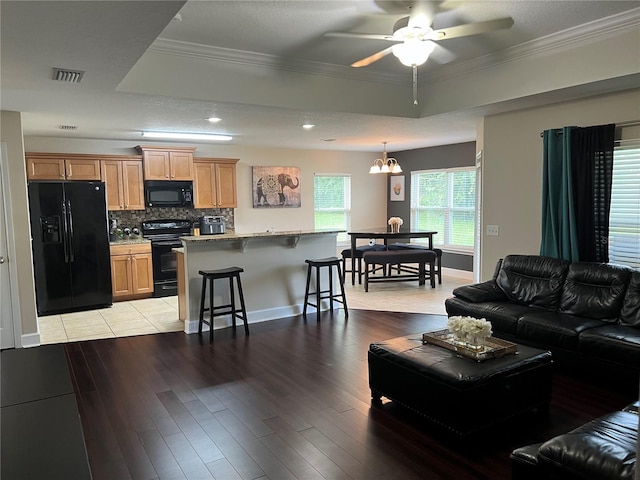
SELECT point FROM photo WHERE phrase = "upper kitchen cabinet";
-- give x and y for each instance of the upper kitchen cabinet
(214, 184)
(167, 163)
(56, 166)
(124, 183)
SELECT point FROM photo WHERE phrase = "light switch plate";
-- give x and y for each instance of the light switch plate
(493, 230)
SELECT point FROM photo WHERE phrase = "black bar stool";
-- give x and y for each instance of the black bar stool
(320, 294)
(228, 309)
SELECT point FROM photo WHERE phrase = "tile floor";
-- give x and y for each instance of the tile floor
(158, 315)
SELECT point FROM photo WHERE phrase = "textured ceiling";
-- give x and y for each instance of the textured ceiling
(285, 71)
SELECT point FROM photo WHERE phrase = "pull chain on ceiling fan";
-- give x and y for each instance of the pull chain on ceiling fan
(415, 39)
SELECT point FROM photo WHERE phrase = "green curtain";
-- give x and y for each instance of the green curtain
(559, 233)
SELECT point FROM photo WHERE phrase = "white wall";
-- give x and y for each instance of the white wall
(512, 167)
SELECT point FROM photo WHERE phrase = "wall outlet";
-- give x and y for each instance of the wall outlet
(493, 230)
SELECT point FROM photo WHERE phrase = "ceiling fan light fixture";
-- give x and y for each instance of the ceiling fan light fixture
(413, 53)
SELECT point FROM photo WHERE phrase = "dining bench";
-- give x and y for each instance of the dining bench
(388, 258)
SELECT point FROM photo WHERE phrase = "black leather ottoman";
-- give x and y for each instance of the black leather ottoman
(461, 395)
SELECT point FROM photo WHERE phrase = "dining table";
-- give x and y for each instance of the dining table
(386, 234)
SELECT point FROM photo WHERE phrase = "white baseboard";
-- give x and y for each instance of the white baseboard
(30, 340)
(257, 316)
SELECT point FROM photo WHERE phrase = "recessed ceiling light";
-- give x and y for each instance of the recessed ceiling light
(308, 126)
(213, 119)
(187, 136)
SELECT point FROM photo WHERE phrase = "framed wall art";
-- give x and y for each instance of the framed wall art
(396, 188)
(276, 187)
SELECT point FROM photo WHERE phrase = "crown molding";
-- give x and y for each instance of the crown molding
(262, 60)
(554, 43)
(559, 42)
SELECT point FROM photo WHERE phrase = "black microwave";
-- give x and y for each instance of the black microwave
(160, 193)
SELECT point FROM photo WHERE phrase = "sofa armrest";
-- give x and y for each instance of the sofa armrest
(480, 292)
(602, 448)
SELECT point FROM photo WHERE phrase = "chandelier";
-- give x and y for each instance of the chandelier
(385, 164)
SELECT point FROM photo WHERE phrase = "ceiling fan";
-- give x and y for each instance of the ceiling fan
(414, 38)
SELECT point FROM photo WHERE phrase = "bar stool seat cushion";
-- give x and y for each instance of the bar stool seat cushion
(221, 273)
(324, 262)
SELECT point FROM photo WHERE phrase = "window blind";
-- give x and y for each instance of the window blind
(624, 216)
(332, 203)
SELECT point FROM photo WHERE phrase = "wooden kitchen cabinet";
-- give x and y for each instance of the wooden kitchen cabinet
(214, 183)
(124, 184)
(167, 163)
(47, 166)
(131, 271)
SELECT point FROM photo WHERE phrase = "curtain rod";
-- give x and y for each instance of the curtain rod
(631, 123)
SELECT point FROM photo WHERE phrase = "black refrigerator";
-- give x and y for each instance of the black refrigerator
(70, 241)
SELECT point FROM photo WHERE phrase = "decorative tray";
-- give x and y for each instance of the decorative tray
(493, 347)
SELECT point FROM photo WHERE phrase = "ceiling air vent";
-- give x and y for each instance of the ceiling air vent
(65, 75)
(68, 127)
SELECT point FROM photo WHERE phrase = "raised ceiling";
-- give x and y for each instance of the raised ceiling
(265, 68)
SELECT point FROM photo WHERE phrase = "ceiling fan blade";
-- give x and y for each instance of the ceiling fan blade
(367, 36)
(472, 29)
(372, 58)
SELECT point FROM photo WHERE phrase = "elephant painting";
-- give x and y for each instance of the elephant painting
(275, 188)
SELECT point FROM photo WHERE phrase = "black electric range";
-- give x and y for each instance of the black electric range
(164, 235)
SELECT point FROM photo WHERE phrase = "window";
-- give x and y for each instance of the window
(332, 203)
(444, 201)
(624, 215)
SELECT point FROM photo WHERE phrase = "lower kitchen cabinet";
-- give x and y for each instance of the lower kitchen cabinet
(131, 271)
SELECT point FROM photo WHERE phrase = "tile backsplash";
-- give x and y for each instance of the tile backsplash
(134, 218)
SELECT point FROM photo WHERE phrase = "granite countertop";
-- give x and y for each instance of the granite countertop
(247, 236)
(129, 241)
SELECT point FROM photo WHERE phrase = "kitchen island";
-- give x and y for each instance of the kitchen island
(274, 277)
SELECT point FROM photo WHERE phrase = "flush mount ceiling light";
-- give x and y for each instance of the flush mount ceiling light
(213, 119)
(188, 136)
(308, 126)
(385, 164)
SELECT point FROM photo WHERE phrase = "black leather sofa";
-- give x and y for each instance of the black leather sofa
(604, 448)
(587, 314)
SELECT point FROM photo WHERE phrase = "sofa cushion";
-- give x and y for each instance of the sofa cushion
(554, 329)
(618, 343)
(602, 448)
(630, 314)
(502, 315)
(532, 280)
(595, 290)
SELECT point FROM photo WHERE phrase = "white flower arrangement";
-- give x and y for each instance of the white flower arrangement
(395, 221)
(469, 329)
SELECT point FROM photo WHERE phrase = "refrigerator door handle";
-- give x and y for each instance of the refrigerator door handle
(71, 256)
(65, 233)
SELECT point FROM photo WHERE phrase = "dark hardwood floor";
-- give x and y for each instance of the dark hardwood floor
(291, 401)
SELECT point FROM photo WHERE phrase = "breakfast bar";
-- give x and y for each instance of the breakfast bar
(274, 270)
